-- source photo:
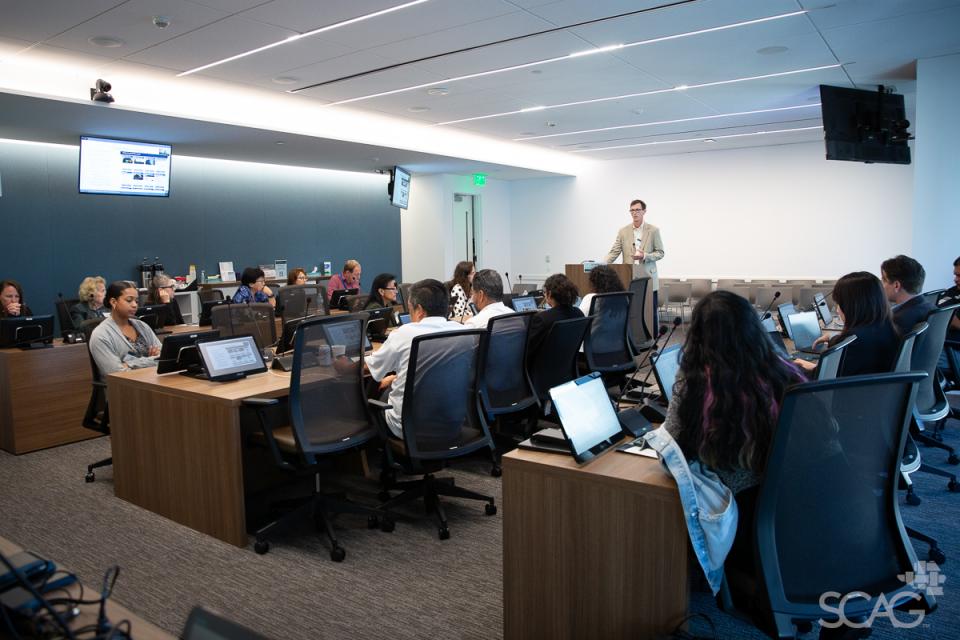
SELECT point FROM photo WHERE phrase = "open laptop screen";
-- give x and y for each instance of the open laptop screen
(665, 368)
(804, 328)
(345, 333)
(784, 310)
(231, 358)
(524, 303)
(586, 416)
(820, 304)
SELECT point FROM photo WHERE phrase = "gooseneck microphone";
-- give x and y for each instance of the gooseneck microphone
(676, 323)
(653, 349)
(766, 312)
(509, 286)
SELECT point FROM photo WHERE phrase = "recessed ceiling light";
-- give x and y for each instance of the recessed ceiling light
(281, 142)
(108, 42)
(438, 91)
(639, 111)
(770, 51)
(536, 71)
(709, 140)
(550, 123)
(418, 109)
(285, 80)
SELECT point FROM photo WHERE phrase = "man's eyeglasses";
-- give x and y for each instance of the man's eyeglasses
(636, 210)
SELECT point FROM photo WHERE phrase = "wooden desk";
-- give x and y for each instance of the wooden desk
(139, 628)
(598, 551)
(177, 446)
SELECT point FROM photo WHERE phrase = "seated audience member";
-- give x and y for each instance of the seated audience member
(950, 297)
(253, 288)
(122, 341)
(487, 295)
(863, 309)
(902, 284)
(460, 290)
(349, 278)
(603, 279)
(92, 291)
(11, 300)
(383, 292)
(296, 276)
(560, 294)
(162, 290)
(429, 305)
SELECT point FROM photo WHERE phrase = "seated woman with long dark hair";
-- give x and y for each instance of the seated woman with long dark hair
(561, 295)
(461, 287)
(383, 292)
(603, 279)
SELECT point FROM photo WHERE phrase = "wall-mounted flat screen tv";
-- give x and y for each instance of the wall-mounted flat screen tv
(400, 188)
(865, 126)
(124, 167)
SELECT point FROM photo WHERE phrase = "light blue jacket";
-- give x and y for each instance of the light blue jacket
(709, 507)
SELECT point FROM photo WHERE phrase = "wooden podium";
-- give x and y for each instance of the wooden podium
(626, 273)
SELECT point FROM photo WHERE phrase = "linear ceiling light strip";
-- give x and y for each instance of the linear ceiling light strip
(703, 139)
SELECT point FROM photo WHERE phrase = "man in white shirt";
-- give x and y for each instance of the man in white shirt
(429, 304)
(487, 295)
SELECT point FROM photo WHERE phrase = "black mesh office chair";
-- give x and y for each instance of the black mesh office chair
(608, 347)
(640, 333)
(97, 416)
(63, 314)
(503, 385)
(210, 295)
(555, 362)
(327, 415)
(826, 516)
(301, 301)
(255, 319)
(440, 422)
(932, 405)
(831, 359)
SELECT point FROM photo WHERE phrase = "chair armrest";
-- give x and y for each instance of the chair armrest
(261, 402)
(378, 404)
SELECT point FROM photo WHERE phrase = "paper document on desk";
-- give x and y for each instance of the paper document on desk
(638, 451)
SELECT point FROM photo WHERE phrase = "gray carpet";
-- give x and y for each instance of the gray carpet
(407, 584)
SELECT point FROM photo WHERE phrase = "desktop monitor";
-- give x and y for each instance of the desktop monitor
(179, 352)
(231, 358)
(587, 418)
(160, 315)
(26, 331)
(524, 303)
(205, 310)
(338, 297)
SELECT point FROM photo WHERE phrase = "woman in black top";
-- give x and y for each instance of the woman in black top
(560, 294)
(383, 292)
(11, 300)
(865, 313)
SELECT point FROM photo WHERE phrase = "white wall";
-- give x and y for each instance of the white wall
(427, 226)
(765, 212)
(936, 212)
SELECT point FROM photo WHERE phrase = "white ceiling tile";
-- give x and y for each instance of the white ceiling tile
(230, 6)
(132, 22)
(211, 43)
(284, 60)
(384, 81)
(567, 12)
(39, 20)
(846, 12)
(305, 16)
(770, 92)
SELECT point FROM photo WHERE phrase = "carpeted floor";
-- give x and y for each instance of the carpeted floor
(407, 584)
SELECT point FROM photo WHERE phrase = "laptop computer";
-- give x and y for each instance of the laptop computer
(830, 322)
(784, 310)
(524, 303)
(805, 329)
(588, 422)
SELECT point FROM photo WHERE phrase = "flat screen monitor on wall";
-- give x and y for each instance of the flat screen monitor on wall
(864, 126)
(123, 167)
(400, 188)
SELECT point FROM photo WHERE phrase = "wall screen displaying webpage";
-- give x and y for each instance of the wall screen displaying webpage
(124, 168)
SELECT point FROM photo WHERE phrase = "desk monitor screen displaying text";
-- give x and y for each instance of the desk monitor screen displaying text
(400, 188)
(524, 303)
(231, 358)
(118, 167)
(586, 416)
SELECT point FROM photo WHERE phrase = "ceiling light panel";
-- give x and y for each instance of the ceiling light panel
(36, 21)
(842, 14)
(219, 40)
(382, 81)
(131, 22)
(301, 16)
(771, 92)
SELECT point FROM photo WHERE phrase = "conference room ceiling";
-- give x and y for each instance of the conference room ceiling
(707, 79)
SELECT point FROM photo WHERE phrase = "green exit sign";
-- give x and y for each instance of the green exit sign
(479, 179)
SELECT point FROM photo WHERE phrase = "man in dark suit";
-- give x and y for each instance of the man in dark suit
(903, 278)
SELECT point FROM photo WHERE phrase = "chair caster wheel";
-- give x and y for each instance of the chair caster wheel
(90, 477)
(383, 496)
(444, 533)
(953, 486)
(496, 471)
(913, 499)
(387, 525)
(936, 555)
(337, 554)
(261, 547)
(373, 522)
(490, 509)
(953, 459)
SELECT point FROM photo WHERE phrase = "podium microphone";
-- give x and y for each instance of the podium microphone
(766, 312)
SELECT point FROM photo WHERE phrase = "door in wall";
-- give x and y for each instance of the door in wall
(466, 229)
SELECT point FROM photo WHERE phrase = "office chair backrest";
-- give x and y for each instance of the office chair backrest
(607, 345)
(439, 414)
(926, 353)
(681, 292)
(503, 384)
(727, 284)
(765, 295)
(327, 399)
(827, 515)
(555, 362)
(302, 300)
(933, 296)
(63, 314)
(255, 319)
(209, 295)
(97, 416)
(701, 287)
(744, 291)
(642, 337)
(805, 297)
(903, 363)
(831, 359)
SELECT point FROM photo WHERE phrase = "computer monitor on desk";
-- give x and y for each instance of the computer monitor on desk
(205, 310)
(158, 316)
(230, 358)
(524, 303)
(26, 331)
(179, 352)
(337, 298)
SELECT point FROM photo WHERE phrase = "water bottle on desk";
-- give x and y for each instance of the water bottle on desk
(203, 276)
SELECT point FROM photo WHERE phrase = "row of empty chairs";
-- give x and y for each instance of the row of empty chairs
(677, 296)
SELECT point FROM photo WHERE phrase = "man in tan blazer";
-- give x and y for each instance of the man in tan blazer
(639, 242)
